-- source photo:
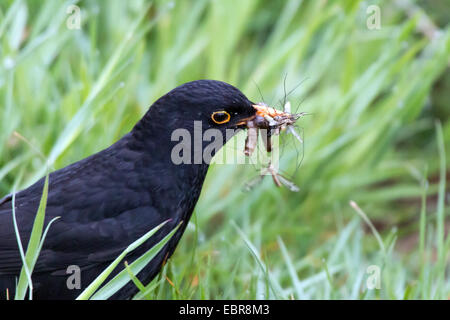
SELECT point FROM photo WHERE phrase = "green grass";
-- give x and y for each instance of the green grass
(379, 134)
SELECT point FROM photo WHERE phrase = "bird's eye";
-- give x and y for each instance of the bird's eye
(220, 117)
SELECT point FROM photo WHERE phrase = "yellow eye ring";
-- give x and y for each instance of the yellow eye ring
(219, 115)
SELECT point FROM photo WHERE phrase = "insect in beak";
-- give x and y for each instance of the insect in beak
(273, 121)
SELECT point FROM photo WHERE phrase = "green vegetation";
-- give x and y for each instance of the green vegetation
(378, 134)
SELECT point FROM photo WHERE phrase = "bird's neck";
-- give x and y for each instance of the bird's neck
(152, 137)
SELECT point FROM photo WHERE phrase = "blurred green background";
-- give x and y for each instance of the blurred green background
(378, 133)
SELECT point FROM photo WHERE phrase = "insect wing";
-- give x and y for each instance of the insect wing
(250, 185)
(295, 133)
(287, 107)
(287, 183)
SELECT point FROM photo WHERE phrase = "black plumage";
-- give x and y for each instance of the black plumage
(113, 197)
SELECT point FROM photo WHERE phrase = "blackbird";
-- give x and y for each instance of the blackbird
(110, 199)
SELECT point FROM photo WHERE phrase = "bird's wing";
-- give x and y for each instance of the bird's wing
(74, 243)
(104, 203)
(100, 213)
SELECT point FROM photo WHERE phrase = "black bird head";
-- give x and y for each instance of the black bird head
(202, 111)
(217, 104)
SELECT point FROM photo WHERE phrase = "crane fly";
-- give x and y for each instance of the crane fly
(271, 122)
